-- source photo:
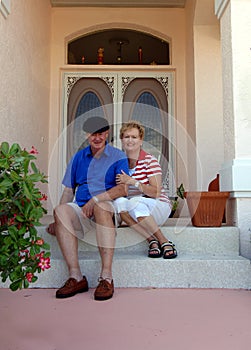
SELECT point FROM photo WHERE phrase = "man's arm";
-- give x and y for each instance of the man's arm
(67, 196)
(112, 193)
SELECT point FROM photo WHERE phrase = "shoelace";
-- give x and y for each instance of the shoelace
(103, 283)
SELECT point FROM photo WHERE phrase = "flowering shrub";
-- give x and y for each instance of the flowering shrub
(22, 252)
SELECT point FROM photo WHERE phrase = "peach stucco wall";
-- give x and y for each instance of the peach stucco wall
(25, 75)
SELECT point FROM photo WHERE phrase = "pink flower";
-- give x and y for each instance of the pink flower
(33, 150)
(43, 198)
(29, 276)
(44, 263)
(40, 241)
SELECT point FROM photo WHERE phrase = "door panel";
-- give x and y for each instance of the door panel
(88, 97)
(145, 100)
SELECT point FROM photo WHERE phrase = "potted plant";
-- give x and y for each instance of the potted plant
(22, 252)
(206, 208)
(175, 200)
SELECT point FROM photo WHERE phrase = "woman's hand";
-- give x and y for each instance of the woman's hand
(124, 179)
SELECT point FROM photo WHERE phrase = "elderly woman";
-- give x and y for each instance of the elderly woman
(147, 205)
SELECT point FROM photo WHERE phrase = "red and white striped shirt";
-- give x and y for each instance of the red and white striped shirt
(147, 165)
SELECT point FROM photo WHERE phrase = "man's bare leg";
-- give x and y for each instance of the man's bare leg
(105, 232)
(66, 221)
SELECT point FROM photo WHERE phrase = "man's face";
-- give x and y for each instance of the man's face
(97, 140)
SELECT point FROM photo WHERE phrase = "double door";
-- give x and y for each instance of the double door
(146, 96)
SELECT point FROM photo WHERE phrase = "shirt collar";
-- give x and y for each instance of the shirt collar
(142, 154)
(106, 151)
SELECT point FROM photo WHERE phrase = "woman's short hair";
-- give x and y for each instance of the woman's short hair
(132, 124)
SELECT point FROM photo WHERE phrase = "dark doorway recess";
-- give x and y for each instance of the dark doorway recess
(121, 46)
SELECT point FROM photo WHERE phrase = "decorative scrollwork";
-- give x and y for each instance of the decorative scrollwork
(164, 82)
(71, 81)
(125, 82)
(110, 83)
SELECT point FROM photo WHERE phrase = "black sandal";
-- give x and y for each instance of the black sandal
(157, 251)
(166, 251)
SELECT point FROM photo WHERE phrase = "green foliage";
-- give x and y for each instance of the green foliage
(180, 193)
(22, 252)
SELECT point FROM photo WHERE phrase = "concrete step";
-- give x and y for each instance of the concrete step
(134, 270)
(188, 239)
(207, 258)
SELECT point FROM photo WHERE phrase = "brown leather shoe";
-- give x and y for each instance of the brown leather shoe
(72, 287)
(104, 290)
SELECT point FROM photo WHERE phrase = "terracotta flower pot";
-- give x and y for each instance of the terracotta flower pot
(206, 208)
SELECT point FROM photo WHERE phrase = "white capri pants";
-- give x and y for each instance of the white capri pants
(143, 206)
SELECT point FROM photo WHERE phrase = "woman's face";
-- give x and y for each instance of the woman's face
(131, 140)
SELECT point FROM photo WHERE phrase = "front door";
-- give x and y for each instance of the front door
(144, 96)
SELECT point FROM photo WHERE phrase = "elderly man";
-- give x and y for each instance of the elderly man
(90, 187)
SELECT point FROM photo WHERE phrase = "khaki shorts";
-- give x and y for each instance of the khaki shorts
(88, 224)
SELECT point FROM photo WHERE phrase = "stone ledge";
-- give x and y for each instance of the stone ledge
(186, 271)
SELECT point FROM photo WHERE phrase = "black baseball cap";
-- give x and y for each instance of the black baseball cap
(95, 125)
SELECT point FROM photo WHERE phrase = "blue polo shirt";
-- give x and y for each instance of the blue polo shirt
(90, 176)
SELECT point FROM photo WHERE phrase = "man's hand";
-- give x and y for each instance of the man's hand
(87, 209)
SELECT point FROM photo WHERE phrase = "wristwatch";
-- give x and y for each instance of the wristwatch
(95, 199)
(137, 184)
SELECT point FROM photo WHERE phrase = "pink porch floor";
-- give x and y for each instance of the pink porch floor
(134, 319)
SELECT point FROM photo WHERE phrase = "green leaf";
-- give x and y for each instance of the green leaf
(26, 283)
(27, 191)
(16, 285)
(33, 167)
(35, 177)
(33, 231)
(181, 191)
(14, 176)
(15, 148)
(45, 246)
(6, 183)
(4, 148)
(19, 218)
(36, 213)
(32, 251)
(13, 233)
(34, 279)
(4, 163)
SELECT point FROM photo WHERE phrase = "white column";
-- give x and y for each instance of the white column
(235, 175)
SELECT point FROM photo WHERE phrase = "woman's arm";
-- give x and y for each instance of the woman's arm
(151, 190)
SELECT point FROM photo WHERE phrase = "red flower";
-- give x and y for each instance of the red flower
(43, 198)
(44, 263)
(29, 276)
(33, 150)
(12, 220)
